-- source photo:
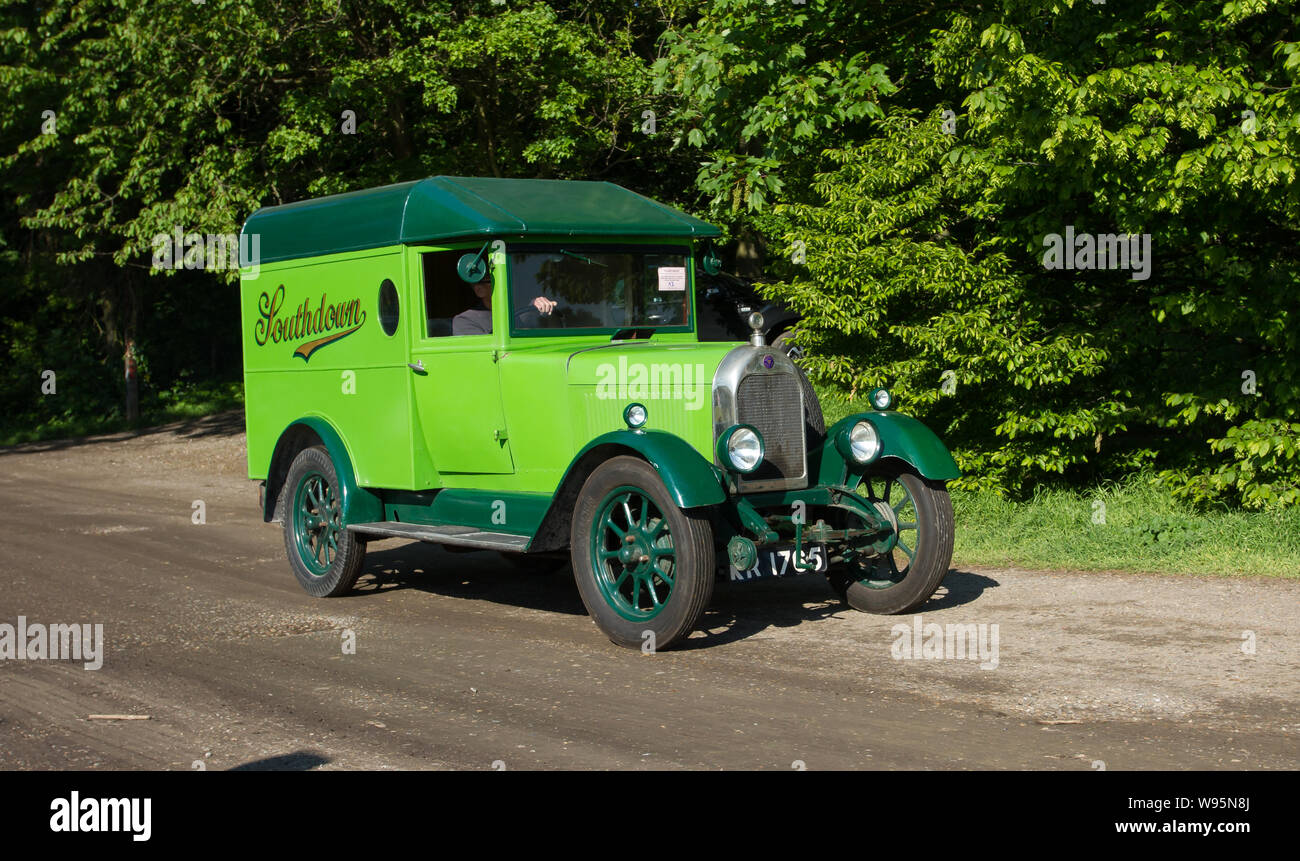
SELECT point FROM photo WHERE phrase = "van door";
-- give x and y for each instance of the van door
(455, 379)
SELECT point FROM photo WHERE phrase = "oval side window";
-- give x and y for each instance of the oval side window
(388, 307)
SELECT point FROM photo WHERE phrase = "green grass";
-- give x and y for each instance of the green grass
(186, 401)
(836, 406)
(1143, 529)
(1131, 526)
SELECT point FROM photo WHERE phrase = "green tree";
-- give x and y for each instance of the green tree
(1173, 120)
(171, 114)
(761, 87)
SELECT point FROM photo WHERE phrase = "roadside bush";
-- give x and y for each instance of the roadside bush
(923, 259)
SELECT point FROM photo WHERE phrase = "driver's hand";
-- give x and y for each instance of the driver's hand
(546, 306)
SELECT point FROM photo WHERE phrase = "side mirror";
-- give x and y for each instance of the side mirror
(471, 267)
(711, 264)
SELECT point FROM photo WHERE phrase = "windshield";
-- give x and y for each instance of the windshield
(600, 288)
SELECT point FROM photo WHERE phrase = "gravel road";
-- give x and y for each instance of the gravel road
(462, 661)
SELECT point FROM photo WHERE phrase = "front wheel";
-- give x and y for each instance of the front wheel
(905, 577)
(325, 557)
(644, 567)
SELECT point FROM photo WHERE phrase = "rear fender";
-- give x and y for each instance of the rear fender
(359, 504)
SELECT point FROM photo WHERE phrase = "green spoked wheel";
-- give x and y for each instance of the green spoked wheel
(641, 563)
(318, 520)
(325, 557)
(909, 571)
(633, 554)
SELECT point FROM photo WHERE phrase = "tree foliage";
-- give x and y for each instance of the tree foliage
(169, 114)
(925, 251)
(915, 158)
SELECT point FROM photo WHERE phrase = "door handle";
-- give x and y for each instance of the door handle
(417, 366)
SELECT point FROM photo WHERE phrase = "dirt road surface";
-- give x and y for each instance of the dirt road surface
(462, 661)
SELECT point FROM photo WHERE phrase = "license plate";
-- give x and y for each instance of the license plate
(779, 562)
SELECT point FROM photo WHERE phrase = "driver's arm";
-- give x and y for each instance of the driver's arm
(532, 314)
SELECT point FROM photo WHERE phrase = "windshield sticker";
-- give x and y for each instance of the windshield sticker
(672, 278)
(323, 324)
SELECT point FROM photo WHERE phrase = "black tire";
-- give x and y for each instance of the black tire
(883, 584)
(313, 519)
(613, 602)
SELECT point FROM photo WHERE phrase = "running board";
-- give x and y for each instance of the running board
(460, 536)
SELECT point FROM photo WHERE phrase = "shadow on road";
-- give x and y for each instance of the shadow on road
(741, 610)
(299, 760)
(738, 610)
(481, 575)
(959, 587)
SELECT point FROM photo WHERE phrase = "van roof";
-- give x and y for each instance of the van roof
(457, 207)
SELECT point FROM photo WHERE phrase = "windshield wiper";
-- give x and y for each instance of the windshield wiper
(583, 259)
(632, 334)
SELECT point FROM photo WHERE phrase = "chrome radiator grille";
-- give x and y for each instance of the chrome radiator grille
(771, 403)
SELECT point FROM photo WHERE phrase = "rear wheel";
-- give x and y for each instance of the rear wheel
(325, 557)
(641, 563)
(905, 577)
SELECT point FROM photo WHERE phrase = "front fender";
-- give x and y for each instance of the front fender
(691, 480)
(902, 437)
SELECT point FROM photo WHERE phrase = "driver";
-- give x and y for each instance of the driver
(478, 320)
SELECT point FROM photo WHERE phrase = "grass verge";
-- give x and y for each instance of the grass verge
(1130, 526)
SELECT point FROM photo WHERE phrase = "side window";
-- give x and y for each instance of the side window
(451, 306)
(389, 310)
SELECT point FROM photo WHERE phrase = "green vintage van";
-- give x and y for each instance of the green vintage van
(512, 365)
